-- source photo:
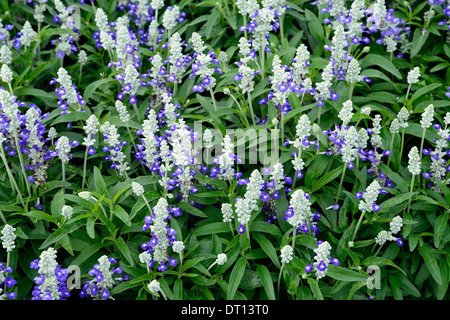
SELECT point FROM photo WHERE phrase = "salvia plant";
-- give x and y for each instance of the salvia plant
(249, 149)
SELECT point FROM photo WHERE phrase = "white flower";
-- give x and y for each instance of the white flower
(47, 266)
(221, 259)
(138, 189)
(28, 34)
(82, 57)
(301, 209)
(243, 211)
(8, 237)
(395, 126)
(369, 197)
(254, 186)
(353, 71)
(227, 212)
(5, 54)
(346, 113)
(279, 81)
(396, 224)
(101, 20)
(414, 161)
(132, 78)
(67, 212)
(287, 254)
(413, 76)
(86, 195)
(63, 148)
(384, 236)
(402, 117)
(154, 286)
(158, 229)
(178, 246)
(122, 110)
(90, 129)
(226, 159)
(157, 4)
(207, 138)
(6, 74)
(322, 257)
(427, 117)
(170, 17)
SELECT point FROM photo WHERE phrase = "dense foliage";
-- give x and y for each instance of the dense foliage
(224, 149)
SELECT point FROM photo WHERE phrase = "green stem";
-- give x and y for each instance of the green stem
(136, 110)
(340, 184)
(410, 192)
(401, 144)
(11, 177)
(84, 167)
(357, 225)
(392, 148)
(251, 108)
(262, 57)
(282, 31)
(421, 149)
(247, 229)
(279, 279)
(350, 94)
(407, 94)
(213, 99)
(231, 228)
(16, 138)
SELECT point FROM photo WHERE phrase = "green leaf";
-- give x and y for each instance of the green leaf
(100, 184)
(57, 204)
(212, 228)
(431, 263)
(262, 226)
(86, 253)
(119, 212)
(191, 209)
(419, 40)
(268, 248)
(330, 176)
(439, 229)
(71, 117)
(32, 92)
(66, 228)
(382, 62)
(41, 215)
(90, 224)
(314, 25)
(315, 288)
(124, 250)
(343, 274)
(90, 89)
(266, 281)
(178, 289)
(235, 278)
(420, 92)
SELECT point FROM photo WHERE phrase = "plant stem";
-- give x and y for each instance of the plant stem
(279, 279)
(407, 94)
(136, 110)
(231, 228)
(357, 225)
(410, 192)
(213, 99)
(392, 149)
(421, 149)
(340, 184)
(84, 167)
(16, 138)
(262, 57)
(11, 177)
(401, 144)
(251, 108)
(247, 229)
